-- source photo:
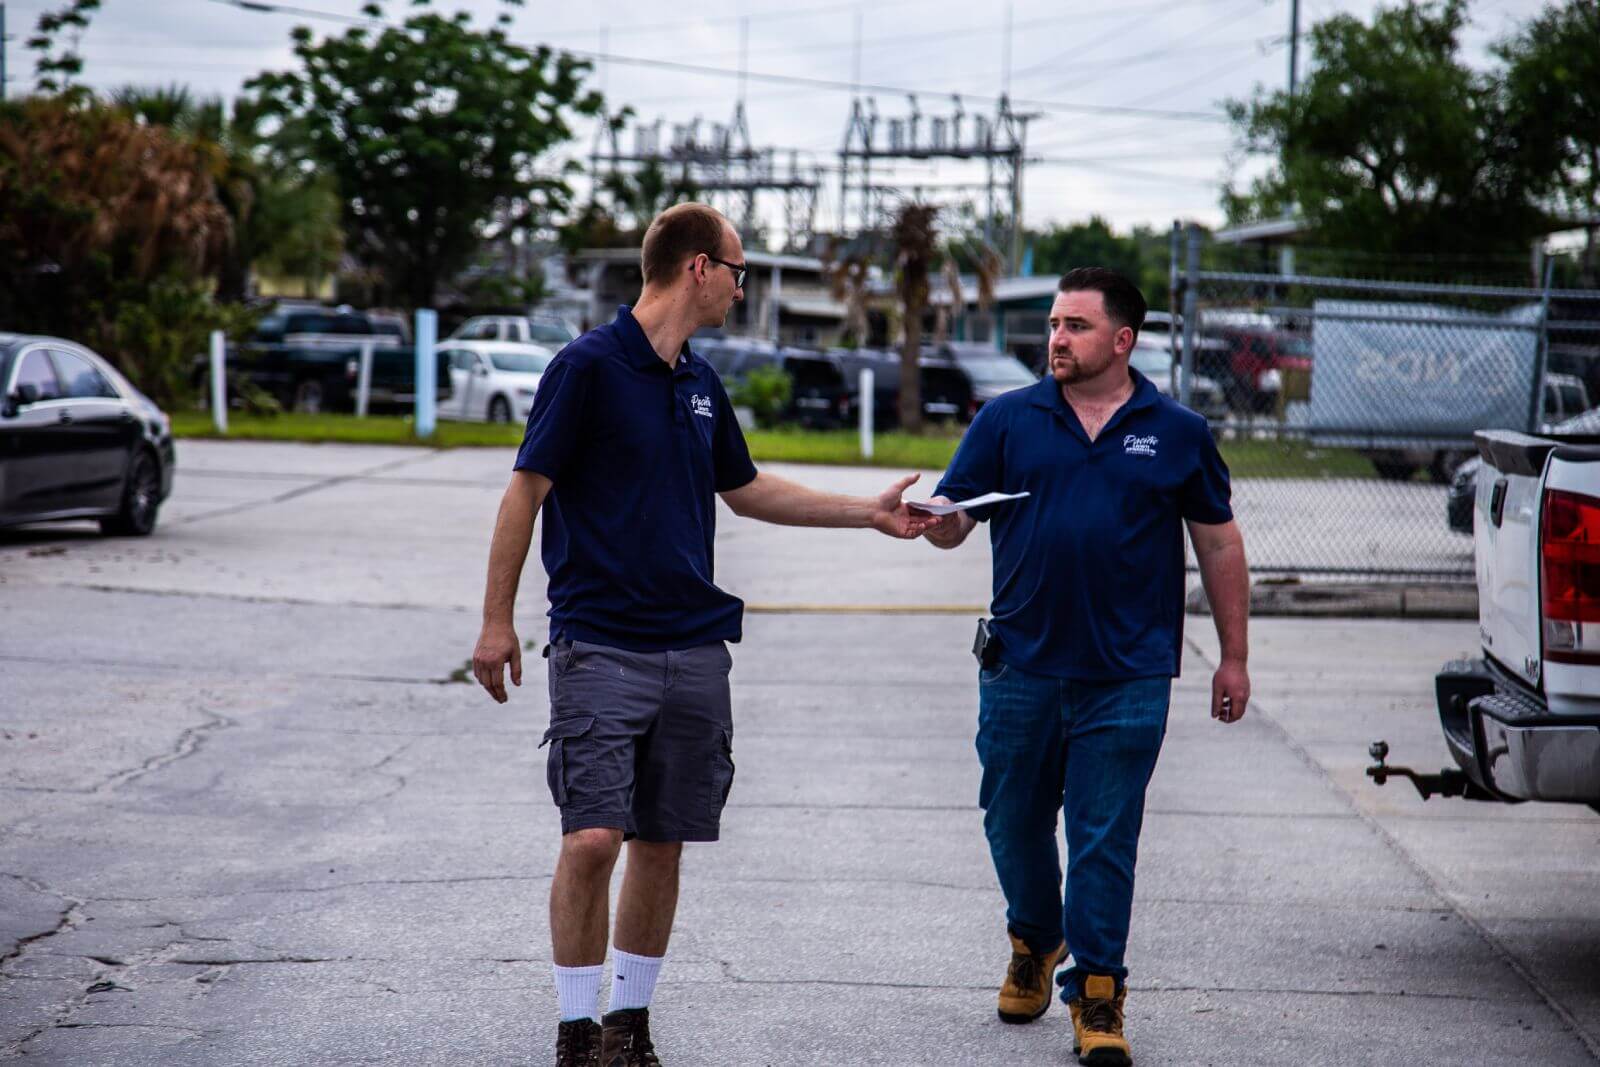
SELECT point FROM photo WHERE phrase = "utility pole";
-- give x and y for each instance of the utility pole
(2, 51)
(1005, 55)
(1294, 46)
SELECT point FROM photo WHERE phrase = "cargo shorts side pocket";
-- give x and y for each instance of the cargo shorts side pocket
(721, 771)
(556, 772)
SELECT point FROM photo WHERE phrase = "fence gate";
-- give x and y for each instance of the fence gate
(1347, 406)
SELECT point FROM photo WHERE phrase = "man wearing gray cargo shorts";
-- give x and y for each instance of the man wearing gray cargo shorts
(630, 440)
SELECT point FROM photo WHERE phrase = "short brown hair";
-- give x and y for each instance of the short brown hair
(679, 233)
(1124, 302)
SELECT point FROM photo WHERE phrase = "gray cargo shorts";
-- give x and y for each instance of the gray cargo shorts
(640, 742)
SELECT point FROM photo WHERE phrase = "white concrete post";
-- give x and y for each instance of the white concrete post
(774, 295)
(219, 381)
(427, 370)
(364, 380)
(868, 402)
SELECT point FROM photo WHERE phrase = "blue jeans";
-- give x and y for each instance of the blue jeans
(1086, 748)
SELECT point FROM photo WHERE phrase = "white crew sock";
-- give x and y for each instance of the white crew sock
(578, 989)
(633, 979)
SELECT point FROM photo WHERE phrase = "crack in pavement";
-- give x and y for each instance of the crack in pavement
(1496, 947)
(303, 490)
(184, 668)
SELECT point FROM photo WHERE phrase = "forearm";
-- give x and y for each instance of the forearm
(508, 551)
(777, 500)
(1226, 577)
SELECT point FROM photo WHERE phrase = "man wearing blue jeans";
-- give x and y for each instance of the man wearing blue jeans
(1086, 638)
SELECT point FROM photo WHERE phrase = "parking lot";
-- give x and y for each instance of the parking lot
(250, 813)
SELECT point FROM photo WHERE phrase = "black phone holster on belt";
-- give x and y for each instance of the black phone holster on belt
(986, 646)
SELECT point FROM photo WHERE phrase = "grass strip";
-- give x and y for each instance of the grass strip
(931, 451)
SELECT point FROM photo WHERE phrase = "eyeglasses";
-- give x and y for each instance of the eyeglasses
(739, 269)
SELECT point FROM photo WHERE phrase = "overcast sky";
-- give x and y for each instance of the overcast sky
(1067, 61)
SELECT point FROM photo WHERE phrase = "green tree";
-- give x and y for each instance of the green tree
(1392, 144)
(59, 61)
(1553, 96)
(432, 131)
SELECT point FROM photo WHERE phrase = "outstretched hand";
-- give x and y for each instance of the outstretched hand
(895, 518)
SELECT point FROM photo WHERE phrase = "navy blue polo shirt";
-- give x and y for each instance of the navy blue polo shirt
(636, 451)
(1088, 570)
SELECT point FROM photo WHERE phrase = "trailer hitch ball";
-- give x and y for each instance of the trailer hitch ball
(1378, 750)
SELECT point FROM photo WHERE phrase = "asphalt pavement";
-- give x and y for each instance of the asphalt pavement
(250, 813)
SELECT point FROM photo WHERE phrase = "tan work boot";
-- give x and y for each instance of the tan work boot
(1097, 1023)
(1025, 995)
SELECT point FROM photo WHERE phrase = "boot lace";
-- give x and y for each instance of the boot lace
(576, 1045)
(641, 1051)
(1025, 972)
(1102, 1016)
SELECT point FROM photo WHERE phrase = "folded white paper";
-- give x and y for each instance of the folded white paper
(962, 505)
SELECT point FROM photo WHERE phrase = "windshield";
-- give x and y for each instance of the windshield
(519, 362)
(549, 333)
(998, 371)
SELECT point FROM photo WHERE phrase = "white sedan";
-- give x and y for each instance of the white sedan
(492, 381)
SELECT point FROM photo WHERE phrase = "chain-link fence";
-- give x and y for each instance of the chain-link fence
(1347, 406)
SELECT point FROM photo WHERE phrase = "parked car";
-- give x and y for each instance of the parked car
(77, 440)
(1250, 362)
(1154, 360)
(528, 329)
(988, 372)
(946, 389)
(1521, 719)
(492, 381)
(1464, 483)
(309, 359)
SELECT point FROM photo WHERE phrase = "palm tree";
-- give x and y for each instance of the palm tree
(284, 219)
(916, 241)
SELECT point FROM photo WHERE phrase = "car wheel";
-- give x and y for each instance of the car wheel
(499, 410)
(308, 397)
(1394, 470)
(141, 499)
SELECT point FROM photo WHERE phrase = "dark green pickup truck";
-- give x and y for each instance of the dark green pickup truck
(309, 358)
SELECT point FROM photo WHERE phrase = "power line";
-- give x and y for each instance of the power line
(776, 79)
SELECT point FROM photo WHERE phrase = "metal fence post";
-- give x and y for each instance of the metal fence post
(869, 398)
(1191, 312)
(364, 380)
(1542, 351)
(219, 381)
(1173, 252)
(427, 371)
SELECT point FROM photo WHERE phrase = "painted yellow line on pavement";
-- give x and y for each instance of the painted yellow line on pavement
(866, 609)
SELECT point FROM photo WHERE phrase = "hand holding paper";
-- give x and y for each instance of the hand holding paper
(951, 507)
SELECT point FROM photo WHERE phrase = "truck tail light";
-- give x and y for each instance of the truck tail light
(1569, 566)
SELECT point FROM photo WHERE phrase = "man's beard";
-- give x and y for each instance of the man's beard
(1068, 370)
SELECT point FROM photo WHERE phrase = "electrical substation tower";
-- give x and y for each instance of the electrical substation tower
(999, 140)
(722, 166)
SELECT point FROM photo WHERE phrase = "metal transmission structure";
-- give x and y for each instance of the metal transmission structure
(722, 166)
(999, 140)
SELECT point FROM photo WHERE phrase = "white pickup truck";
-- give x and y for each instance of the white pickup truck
(1522, 721)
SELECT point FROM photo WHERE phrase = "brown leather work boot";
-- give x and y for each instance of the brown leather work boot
(1097, 1023)
(625, 1039)
(578, 1043)
(1025, 995)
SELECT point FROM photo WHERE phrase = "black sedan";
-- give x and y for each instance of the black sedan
(77, 440)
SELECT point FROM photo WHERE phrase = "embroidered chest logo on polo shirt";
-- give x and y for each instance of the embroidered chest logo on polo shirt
(701, 405)
(1139, 446)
